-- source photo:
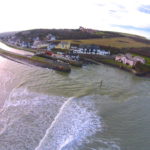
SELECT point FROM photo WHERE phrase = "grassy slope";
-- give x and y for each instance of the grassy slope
(102, 38)
(147, 59)
(120, 42)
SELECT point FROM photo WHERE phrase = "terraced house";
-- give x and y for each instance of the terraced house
(63, 45)
(128, 59)
(91, 49)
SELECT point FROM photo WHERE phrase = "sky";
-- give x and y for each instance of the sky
(129, 16)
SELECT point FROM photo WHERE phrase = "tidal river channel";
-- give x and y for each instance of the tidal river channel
(95, 107)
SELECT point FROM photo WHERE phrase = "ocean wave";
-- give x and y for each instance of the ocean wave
(31, 120)
(72, 125)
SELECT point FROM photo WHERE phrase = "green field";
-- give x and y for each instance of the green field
(147, 59)
(121, 42)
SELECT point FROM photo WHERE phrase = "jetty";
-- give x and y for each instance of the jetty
(35, 60)
(60, 58)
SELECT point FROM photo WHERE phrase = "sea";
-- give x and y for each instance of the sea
(96, 107)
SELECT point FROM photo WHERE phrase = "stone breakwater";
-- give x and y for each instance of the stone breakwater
(37, 61)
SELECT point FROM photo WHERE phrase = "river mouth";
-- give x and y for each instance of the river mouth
(42, 109)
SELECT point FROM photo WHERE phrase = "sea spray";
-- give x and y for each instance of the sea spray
(43, 122)
(25, 117)
(31, 120)
(52, 125)
(72, 125)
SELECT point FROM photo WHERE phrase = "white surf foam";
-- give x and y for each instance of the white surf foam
(37, 121)
(53, 123)
(72, 125)
(25, 117)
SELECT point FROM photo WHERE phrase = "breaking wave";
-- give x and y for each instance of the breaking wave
(37, 121)
(70, 127)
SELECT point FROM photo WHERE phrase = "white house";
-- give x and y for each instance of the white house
(91, 51)
(39, 44)
(50, 37)
(103, 52)
(129, 59)
(139, 59)
(50, 47)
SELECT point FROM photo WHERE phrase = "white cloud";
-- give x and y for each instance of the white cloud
(127, 13)
(99, 14)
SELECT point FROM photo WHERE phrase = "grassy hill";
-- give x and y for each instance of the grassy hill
(116, 42)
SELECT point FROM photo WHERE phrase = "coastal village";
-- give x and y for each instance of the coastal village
(66, 52)
(50, 42)
(130, 60)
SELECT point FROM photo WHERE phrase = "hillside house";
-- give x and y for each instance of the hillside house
(24, 44)
(87, 30)
(50, 37)
(103, 52)
(52, 45)
(42, 45)
(139, 59)
(82, 28)
(125, 60)
(135, 58)
(74, 47)
(36, 41)
(91, 49)
(129, 59)
(63, 45)
(119, 58)
(39, 44)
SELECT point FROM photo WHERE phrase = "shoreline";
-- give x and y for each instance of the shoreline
(37, 61)
(53, 64)
(109, 61)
